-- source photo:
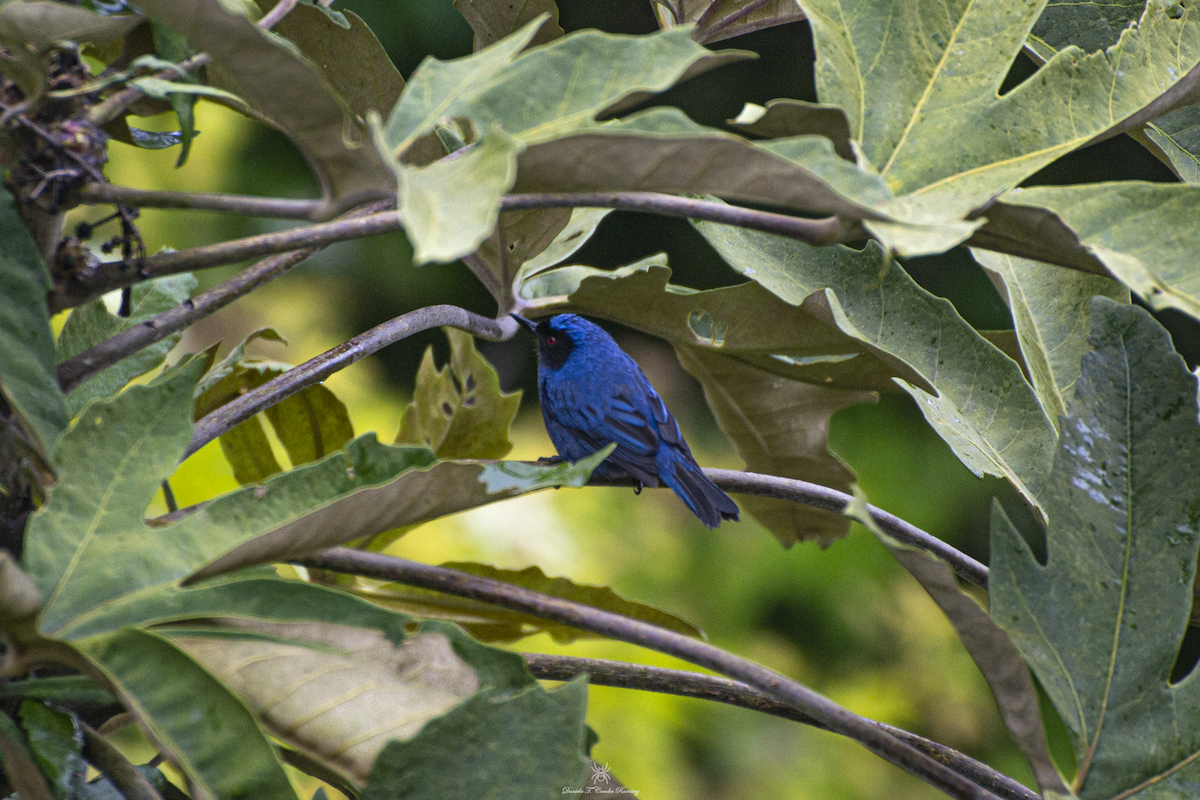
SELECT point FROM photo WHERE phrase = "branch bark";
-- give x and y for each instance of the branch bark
(317, 369)
(603, 672)
(615, 626)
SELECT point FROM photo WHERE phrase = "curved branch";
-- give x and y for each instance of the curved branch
(128, 780)
(243, 205)
(79, 368)
(114, 106)
(615, 626)
(318, 369)
(603, 672)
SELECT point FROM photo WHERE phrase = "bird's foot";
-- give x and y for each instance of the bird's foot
(551, 460)
(638, 489)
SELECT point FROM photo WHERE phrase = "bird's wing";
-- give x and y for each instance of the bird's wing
(624, 420)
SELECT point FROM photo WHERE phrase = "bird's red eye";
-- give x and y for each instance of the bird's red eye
(551, 340)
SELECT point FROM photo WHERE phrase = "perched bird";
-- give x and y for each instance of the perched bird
(592, 394)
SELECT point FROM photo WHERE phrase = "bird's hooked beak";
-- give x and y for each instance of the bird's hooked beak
(528, 323)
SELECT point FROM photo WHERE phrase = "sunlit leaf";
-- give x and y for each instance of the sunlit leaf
(91, 324)
(921, 94)
(459, 411)
(27, 381)
(1100, 623)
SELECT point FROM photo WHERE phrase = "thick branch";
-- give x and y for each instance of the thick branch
(318, 369)
(603, 672)
(77, 369)
(615, 626)
(243, 205)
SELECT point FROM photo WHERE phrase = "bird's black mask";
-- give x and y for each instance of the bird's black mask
(554, 345)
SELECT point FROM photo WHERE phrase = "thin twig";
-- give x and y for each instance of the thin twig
(115, 105)
(79, 368)
(603, 672)
(317, 369)
(272, 17)
(127, 778)
(615, 626)
(242, 205)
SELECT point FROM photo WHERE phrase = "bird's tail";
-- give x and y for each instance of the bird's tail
(700, 494)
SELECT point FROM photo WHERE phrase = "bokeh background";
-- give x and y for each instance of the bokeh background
(846, 620)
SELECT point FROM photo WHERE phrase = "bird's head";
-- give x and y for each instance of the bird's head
(561, 335)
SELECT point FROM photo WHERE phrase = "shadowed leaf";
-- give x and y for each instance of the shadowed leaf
(268, 73)
(1121, 558)
(169, 693)
(526, 745)
(492, 20)
(780, 118)
(19, 767)
(27, 381)
(716, 20)
(56, 742)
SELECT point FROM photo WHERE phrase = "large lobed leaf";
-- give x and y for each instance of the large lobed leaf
(1100, 623)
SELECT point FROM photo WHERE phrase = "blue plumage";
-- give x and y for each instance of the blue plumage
(592, 394)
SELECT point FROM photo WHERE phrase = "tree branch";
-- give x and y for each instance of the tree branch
(117, 274)
(603, 672)
(79, 368)
(130, 782)
(243, 205)
(317, 369)
(615, 626)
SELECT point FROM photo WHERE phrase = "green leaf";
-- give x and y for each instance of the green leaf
(268, 73)
(192, 715)
(27, 381)
(1120, 223)
(523, 746)
(570, 81)
(1052, 311)
(91, 324)
(1174, 135)
(492, 20)
(1100, 623)
(1084, 24)
(451, 206)
(981, 404)
(56, 742)
(350, 57)
(922, 96)
(459, 411)
(164, 89)
(60, 689)
(173, 48)
(336, 692)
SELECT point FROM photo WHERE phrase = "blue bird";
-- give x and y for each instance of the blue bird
(592, 394)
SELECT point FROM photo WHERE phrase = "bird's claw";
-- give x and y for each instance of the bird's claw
(638, 489)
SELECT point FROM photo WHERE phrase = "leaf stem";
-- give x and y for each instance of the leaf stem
(603, 672)
(115, 105)
(782, 689)
(317, 369)
(128, 780)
